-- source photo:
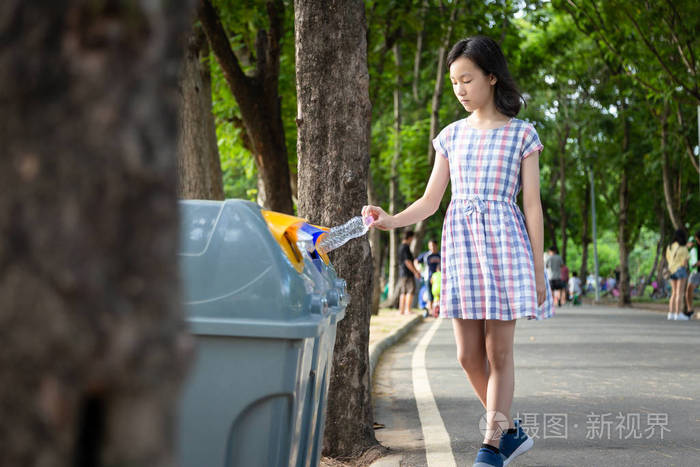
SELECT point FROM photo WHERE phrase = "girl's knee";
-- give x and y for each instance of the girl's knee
(472, 362)
(500, 358)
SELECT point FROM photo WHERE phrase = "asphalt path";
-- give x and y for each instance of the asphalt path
(594, 386)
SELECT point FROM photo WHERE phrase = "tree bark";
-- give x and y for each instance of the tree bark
(585, 234)
(666, 172)
(624, 227)
(258, 100)
(419, 51)
(549, 225)
(623, 238)
(333, 149)
(198, 163)
(685, 140)
(562, 190)
(94, 342)
(658, 265)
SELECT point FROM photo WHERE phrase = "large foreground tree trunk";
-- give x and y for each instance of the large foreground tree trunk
(333, 148)
(198, 163)
(93, 338)
(258, 99)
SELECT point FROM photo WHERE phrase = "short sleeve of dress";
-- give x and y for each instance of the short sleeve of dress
(531, 142)
(439, 145)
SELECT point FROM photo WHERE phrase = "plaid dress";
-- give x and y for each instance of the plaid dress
(487, 261)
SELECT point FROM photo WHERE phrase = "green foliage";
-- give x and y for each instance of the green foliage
(579, 91)
(243, 21)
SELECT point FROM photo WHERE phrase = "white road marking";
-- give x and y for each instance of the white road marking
(438, 450)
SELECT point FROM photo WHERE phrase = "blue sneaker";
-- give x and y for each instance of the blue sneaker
(486, 458)
(515, 444)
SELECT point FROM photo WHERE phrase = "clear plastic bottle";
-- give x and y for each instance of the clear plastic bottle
(339, 235)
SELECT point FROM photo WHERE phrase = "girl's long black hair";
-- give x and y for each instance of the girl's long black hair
(680, 236)
(487, 55)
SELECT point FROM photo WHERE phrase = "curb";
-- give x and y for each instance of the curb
(376, 349)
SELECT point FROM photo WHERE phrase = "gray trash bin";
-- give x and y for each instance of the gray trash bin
(256, 320)
(317, 391)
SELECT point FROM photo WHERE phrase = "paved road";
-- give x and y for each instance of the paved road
(596, 386)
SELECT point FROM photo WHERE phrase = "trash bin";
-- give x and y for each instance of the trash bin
(317, 395)
(257, 317)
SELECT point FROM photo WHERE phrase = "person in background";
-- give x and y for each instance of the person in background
(435, 285)
(694, 268)
(590, 283)
(407, 274)
(553, 266)
(565, 282)
(431, 260)
(424, 285)
(574, 287)
(677, 257)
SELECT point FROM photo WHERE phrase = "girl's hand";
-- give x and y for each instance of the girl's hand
(541, 288)
(382, 220)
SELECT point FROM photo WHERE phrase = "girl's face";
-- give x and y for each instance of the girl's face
(473, 88)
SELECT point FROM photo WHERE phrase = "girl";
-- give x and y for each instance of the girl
(492, 269)
(677, 257)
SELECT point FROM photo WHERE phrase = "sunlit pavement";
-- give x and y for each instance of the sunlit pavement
(595, 386)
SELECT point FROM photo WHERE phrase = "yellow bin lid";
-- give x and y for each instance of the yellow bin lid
(283, 228)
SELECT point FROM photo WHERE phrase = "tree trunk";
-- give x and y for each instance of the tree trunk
(394, 182)
(198, 164)
(585, 234)
(435, 114)
(333, 147)
(419, 51)
(562, 191)
(94, 344)
(624, 227)
(658, 266)
(659, 249)
(666, 172)
(549, 225)
(258, 100)
(623, 238)
(685, 140)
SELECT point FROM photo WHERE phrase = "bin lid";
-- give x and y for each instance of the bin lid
(234, 271)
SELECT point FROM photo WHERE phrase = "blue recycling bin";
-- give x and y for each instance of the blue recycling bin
(262, 326)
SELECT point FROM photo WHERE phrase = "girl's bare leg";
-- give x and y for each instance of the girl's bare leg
(672, 300)
(501, 383)
(471, 353)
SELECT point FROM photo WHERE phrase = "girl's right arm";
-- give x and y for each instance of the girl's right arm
(425, 206)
